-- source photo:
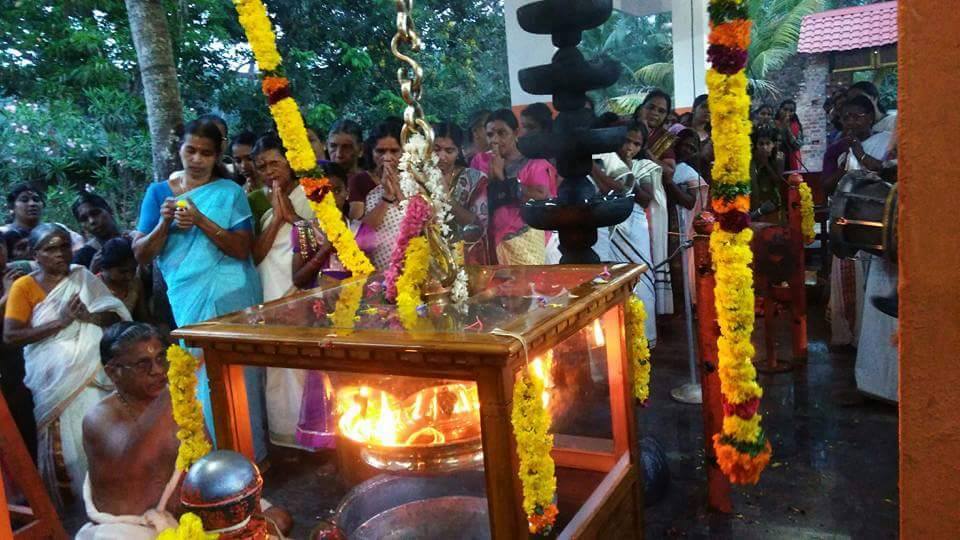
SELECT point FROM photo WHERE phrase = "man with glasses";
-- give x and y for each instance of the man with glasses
(132, 490)
(130, 439)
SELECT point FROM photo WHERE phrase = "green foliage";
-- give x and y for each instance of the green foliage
(776, 31)
(644, 48)
(74, 115)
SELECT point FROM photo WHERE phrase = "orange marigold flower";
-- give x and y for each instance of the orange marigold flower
(741, 203)
(315, 188)
(734, 34)
(271, 85)
(740, 468)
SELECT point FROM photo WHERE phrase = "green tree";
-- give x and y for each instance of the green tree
(72, 111)
(776, 31)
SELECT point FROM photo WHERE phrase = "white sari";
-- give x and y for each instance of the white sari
(847, 278)
(659, 227)
(284, 387)
(64, 374)
(630, 243)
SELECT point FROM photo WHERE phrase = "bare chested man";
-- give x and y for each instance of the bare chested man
(130, 440)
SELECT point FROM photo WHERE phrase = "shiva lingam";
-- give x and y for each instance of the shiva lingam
(578, 209)
(223, 490)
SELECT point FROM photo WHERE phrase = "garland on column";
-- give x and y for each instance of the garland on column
(276, 87)
(742, 448)
(806, 213)
(531, 428)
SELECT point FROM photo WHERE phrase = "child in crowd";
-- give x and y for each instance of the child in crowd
(315, 259)
(118, 271)
(766, 173)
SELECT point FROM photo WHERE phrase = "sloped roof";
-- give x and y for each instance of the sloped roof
(849, 28)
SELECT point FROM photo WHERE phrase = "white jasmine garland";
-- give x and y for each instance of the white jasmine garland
(460, 292)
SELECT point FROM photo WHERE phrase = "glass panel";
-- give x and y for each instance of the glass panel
(499, 295)
(408, 450)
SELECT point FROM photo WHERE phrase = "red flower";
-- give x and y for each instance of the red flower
(734, 221)
(744, 410)
(315, 188)
(726, 60)
(275, 88)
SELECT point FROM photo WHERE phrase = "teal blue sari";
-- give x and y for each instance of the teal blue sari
(204, 282)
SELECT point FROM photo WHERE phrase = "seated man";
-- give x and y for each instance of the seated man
(130, 438)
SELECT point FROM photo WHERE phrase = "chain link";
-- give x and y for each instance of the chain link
(410, 76)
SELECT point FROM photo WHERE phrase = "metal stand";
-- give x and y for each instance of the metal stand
(691, 392)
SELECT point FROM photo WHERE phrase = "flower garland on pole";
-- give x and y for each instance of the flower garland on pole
(190, 528)
(742, 449)
(187, 412)
(276, 87)
(806, 213)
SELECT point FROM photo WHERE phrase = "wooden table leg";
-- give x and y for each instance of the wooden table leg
(231, 414)
(504, 492)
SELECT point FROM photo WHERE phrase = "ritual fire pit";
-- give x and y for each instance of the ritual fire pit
(433, 430)
(422, 406)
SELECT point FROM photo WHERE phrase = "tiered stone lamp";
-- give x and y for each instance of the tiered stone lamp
(579, 208)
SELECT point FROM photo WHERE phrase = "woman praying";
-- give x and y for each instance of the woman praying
(468, 192)
(56, 313)
(383, 213)
(513, 179)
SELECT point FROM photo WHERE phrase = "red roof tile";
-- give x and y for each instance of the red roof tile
(849, 28)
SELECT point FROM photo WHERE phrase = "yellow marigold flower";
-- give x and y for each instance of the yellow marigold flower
(747, 431)
(638, 347)
(330, 219)
(190, 528)
(293, 133)
(806, 213)
(256, 24)
(416, 263)
(187, 411)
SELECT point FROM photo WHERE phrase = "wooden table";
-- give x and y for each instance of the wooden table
(599, 486)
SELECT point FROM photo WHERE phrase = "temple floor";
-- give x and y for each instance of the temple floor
(833, 472)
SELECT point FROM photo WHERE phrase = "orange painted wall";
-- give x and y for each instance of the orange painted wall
(929, 270)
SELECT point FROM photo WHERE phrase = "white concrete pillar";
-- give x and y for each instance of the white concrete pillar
(691, 25)
(523, 50)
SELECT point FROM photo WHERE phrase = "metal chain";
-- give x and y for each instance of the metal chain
(410, 76)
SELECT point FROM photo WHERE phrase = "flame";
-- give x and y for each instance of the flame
(598, 338)
(541, 368)
(387, 422)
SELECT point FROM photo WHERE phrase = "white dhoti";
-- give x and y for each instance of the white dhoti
(104, 526)
(846, 300)
(630, 243)
(877, 367)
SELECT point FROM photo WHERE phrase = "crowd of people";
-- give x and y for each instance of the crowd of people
(233, 228)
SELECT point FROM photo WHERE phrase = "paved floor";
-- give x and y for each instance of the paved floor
(833, 473)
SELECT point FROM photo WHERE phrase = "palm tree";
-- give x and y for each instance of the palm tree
(776, 31)
(644, 46)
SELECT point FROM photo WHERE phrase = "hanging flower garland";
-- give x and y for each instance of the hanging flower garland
(330, 219)
(276, 87)
(190, 528)
(531, 428)
(187, 411)
(345, 313)
(415, 267)
(806, 213)
(638, 349)
(420, 175)
(414, 219)
(742, 448)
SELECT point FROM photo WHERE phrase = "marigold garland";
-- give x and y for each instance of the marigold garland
(190, 528)
(256, 24)
(414, 219)
(187, 412)
(345, 313)
(531, 428)
(293, 132)
(638, 350)
(330, 219)
(416, 263)
(806, 213)
(741, 448)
